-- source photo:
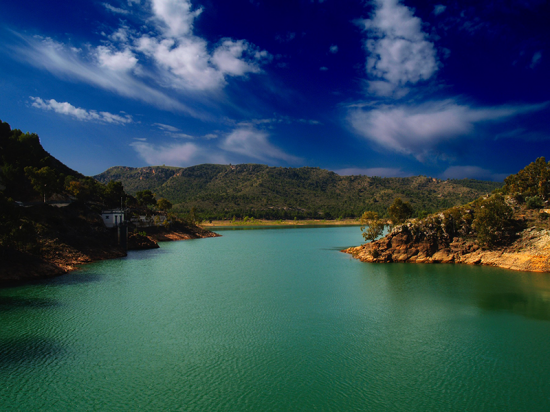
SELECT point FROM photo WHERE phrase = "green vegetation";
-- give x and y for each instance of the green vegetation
(145, 198)
(400, 211)
(219, 192)
(371, 226)
(164, 204)
(30, 174)
(492, 220)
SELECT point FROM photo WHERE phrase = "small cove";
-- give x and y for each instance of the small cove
(276, 320)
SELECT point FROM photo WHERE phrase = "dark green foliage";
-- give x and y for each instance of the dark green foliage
(114, 194)
(371, 226)
(493, 220)
(44, 181)
(28, 174)
(164, 204)
(221, 192)
(146, 198)
(16, 231)
(400, 211)
(534, 202)
(533, 180)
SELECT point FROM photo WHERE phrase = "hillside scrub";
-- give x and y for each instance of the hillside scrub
(219, 192)
(502, 229)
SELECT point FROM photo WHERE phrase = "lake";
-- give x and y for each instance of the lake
(276, 320)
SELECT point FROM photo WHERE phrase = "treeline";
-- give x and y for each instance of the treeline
(263, 192)
(29, 173)
(493, 220)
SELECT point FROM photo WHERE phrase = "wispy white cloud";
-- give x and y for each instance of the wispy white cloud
(372, 171)
(242, 143)
(167, 127)
(174, 17)
(254, 143)
(184, 61)
(417, 130)
(115, 9)
(333, 49)
(70, 63)
(161, 53)
(236, 58)
(79, 113)
(116, 60)
(176, 133)
(176, 154)
(399, 51)
(472, 172)
(438, 9)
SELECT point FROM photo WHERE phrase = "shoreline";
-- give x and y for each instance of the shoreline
(288, 222)
(19, 268)
(529, 253)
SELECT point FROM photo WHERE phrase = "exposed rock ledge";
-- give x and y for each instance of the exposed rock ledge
(60, 257)
(529, 252)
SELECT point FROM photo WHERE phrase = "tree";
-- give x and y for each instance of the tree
(43, 181)
(493, 219)
(114, 193)
(532, 180)
(371, 226)
(145, 198)
(400, 211)
(164, 204)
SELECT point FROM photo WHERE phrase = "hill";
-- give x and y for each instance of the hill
(49, 213)
(259, 191)
(508, 229)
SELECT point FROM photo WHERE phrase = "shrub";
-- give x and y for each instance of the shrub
(492, 221)
(534, 202)
(371, 226)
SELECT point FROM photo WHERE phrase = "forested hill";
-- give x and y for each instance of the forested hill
(224, 191)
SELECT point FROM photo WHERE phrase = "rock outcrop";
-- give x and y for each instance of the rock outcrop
(530, 251)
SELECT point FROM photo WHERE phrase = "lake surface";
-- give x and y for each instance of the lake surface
(276, 320)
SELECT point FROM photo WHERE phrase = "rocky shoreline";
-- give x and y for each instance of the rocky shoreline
(58, 258)
(530, 251)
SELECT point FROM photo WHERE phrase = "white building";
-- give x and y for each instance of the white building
(113, 218)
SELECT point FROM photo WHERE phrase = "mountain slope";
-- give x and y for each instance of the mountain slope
(223, 191)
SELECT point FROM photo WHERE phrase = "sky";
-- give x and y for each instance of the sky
(448, 89)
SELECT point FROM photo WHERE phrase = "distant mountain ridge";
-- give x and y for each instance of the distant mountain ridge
(260, 191)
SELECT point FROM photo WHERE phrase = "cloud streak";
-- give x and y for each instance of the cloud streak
(145, 63)
(69, 63)
(176, 154)
(242, 143)
(254, 143)
(417, 130)
(79, 113)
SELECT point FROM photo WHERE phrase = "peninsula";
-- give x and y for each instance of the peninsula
(507, 229)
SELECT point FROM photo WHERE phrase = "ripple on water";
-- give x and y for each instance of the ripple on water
(275, 320)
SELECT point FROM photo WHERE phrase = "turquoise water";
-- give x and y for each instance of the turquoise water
(276, 320)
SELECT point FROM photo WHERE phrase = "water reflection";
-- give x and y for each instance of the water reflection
(28, 350)
(9, 303)
(487, 288)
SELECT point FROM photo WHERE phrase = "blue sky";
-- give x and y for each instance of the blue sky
(449, 89)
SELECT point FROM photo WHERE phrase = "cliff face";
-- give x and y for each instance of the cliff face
(530, 251)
